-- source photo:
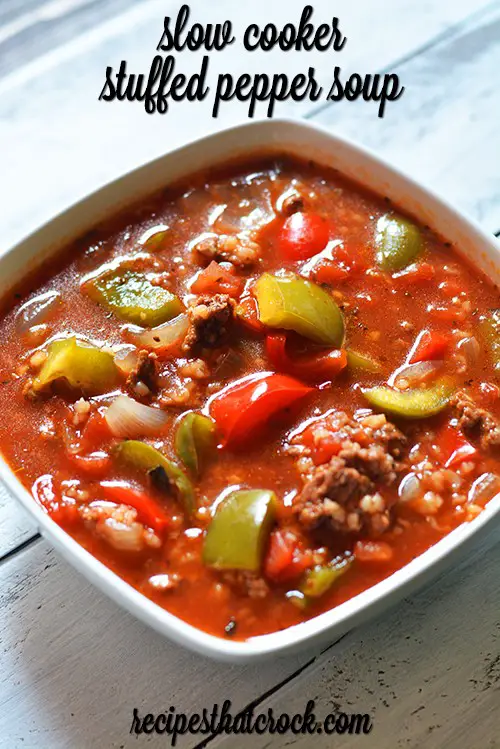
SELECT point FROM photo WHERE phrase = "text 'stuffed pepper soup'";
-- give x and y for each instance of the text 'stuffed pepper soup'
(255, 395)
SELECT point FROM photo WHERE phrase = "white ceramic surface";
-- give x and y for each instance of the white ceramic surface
(307, 141)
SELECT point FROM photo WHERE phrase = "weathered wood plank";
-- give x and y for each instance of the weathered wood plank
(29, 29)
(116, 137)
(428, 672)
(443, 130)
(73, 665)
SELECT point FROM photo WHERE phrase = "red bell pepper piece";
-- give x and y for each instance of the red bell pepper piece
(303, 235)
(455, 448)
(285, 559)
(429, 346)
(148, 511)
(244, 407)
(318, 367)
(215, 279)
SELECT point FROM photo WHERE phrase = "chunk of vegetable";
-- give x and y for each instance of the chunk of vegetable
(361, 363)
(237, 536)
(80, 365)
(455, 448)
(128, 418)
(285, 559)
(245, 406)
(303, 235)
(316, 367)
(398, 242)
(490, 330)
(194, 437)
(132, 297)
(321, 578)
(429, 346)
(216, 279)
(412, 404)
(148, 511)
(147, 459)
(154, 238)
(293, 303)
(165, 340)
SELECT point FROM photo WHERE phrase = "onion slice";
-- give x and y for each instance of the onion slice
(471, 349)
(415, 374)
(163, 337)
(410, 488)
(36, 311)
(127, 418)
(484, 488)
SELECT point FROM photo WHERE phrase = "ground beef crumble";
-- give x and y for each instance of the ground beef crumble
(239, 250)
(343, 492)
(210, 322)
(145, 371)
(475, 422)
(246, 583)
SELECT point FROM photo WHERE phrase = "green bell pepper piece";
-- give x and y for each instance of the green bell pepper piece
(146, 458)
(362, 363)
(489, 329)
(153, 239)
(133, 298)
(237, 536)
(398, 242)
(82, 366)
(321, 578)
(195, 436)
(293, 303)
(412, 404)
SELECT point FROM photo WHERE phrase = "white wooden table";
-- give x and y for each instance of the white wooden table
(72, 664)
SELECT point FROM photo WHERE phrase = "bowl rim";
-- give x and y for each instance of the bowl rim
(325, 626)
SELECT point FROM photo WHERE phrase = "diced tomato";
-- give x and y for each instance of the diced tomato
(148, 511)
(95, 464)
(415, 275)
(217, 279)
(95, 432)
(329, 272)
(303, 235)
(429, 346)
(373, 551)
(451, 287)
(244, 407)
(325, 449)
(248, 314)
(455, 448)
(285, 560)
(318, 367)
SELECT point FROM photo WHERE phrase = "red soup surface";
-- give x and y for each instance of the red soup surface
(256, 394)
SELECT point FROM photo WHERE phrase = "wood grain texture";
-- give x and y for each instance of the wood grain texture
(73, 665)
(83, 146)
(444, 129)
(428, 672)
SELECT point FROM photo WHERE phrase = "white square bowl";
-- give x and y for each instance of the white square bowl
(311, 142)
